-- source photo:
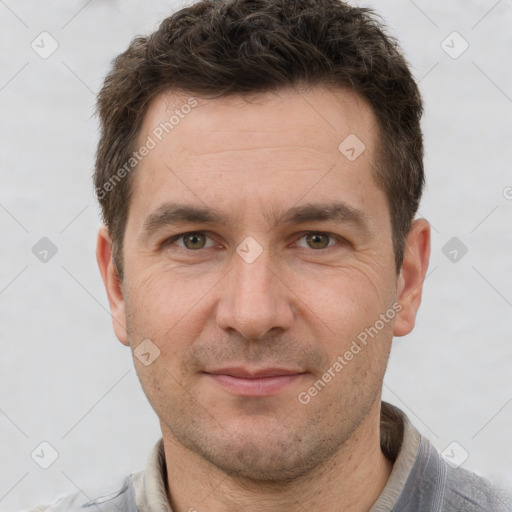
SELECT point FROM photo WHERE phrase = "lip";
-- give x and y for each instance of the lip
(251, 382)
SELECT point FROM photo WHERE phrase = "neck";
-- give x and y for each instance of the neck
(351, 480)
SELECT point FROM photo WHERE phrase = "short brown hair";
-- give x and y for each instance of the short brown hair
(220, 48)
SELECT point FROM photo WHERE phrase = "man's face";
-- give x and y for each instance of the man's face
(254, 307)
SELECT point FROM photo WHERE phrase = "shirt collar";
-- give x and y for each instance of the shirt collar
(399, 439)
(402, 448)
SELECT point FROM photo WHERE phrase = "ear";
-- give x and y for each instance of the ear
(412, 275)
(113, 284)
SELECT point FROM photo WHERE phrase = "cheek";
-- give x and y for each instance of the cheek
(164, 297)
(347, 308)
(344, 298)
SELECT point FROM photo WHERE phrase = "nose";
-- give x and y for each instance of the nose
(255, 299)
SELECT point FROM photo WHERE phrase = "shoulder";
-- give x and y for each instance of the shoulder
(474, 493)
(113, 499)
(423, 480)
(433, 482)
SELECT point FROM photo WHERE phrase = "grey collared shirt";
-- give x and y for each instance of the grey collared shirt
(420, 481)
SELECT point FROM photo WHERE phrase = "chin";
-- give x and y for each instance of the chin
(278, 456)
(264, 463)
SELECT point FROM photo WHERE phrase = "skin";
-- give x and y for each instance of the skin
(299, 305)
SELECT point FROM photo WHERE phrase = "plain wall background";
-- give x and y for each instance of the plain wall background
(64, 377)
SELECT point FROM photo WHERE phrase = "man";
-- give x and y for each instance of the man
(259, 170)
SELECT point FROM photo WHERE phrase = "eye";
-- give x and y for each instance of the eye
(197, 240)
(192, 241)
(318, 240)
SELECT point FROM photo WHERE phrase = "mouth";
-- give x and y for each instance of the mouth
(254, 382)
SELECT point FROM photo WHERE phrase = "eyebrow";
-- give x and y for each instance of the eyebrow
(337, 211)
(174, 213)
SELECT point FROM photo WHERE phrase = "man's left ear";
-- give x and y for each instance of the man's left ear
(412, 275)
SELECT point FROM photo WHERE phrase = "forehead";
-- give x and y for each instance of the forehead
(323, 115)
(243, 150)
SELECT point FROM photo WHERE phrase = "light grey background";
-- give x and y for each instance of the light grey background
(66, 380)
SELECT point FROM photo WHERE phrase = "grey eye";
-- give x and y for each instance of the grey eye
(194, 240)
